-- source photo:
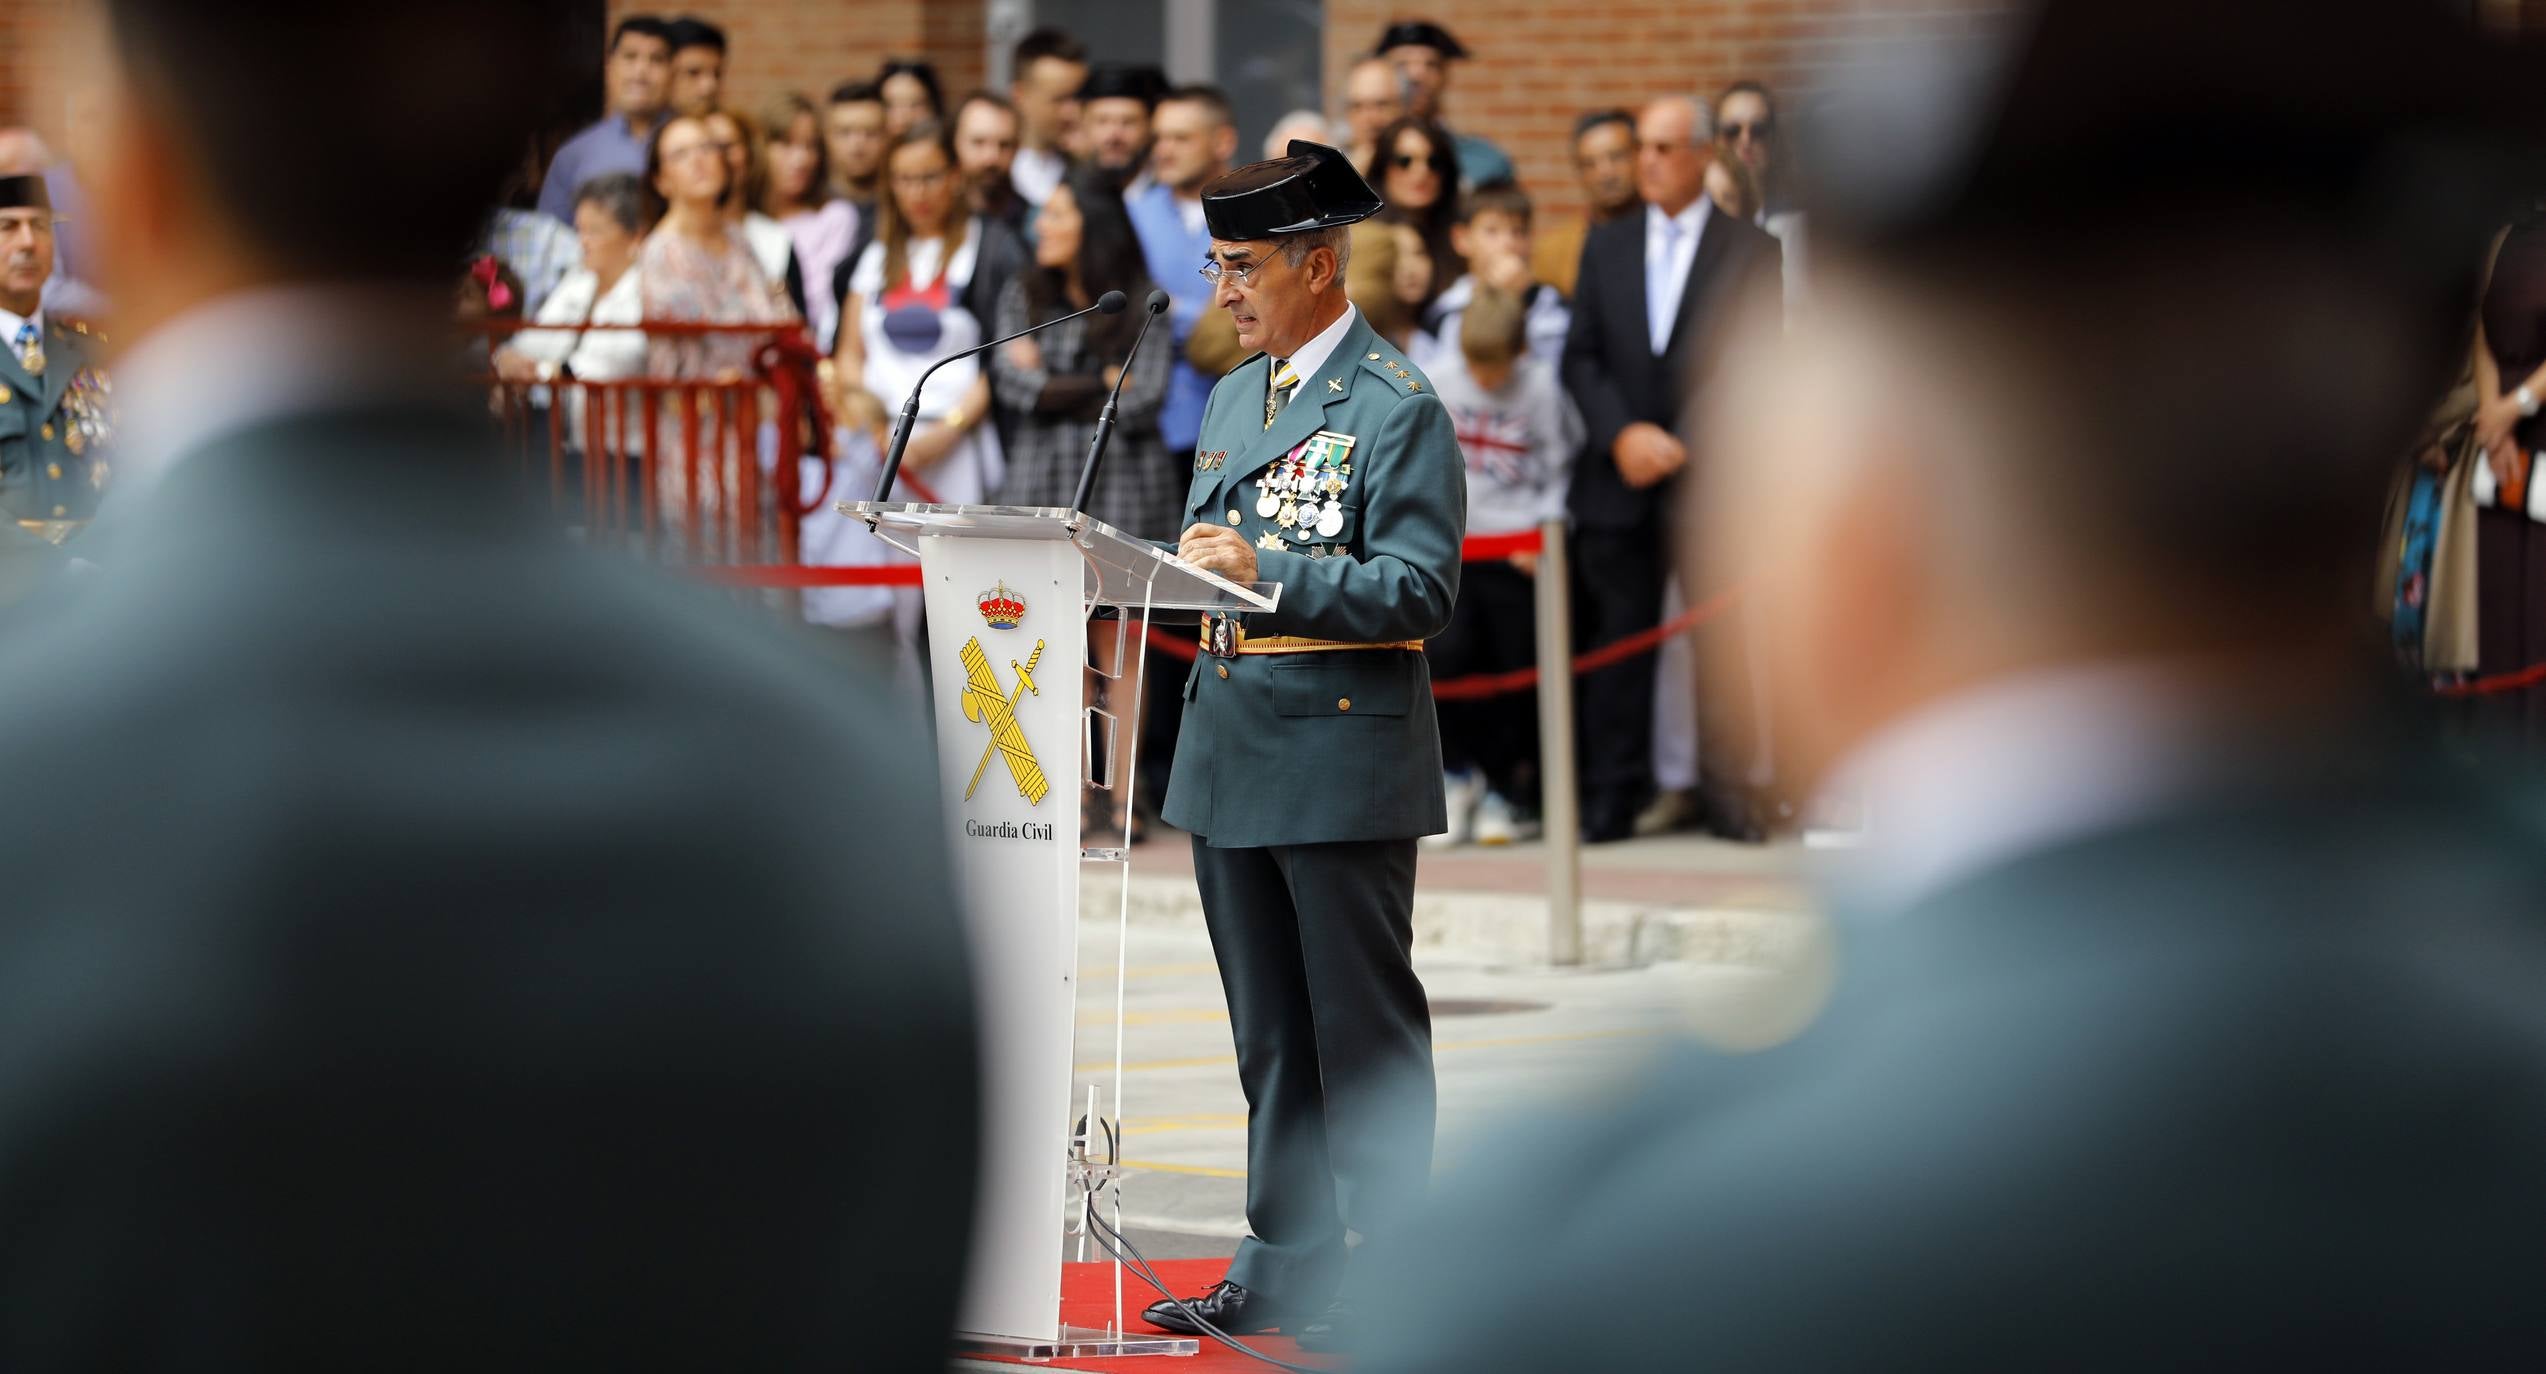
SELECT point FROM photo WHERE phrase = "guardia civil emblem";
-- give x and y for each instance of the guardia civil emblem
(988, 704)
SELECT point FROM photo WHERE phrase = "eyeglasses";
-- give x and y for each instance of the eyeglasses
(1407, 162)
(919, 181)
(1215, 269)
(1760, 130)
(678, 152)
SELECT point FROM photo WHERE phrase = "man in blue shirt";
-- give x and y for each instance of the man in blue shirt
(639, 73)
(1192, 139)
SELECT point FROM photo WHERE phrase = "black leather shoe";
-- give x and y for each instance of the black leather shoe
(1227, 1306)
(1607, 819)
(1335, 1331)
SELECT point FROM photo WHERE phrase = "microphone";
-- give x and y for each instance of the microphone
(1156, 307)
(1111, 303)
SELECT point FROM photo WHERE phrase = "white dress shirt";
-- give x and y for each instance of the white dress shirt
(9, 324)
(1035, 171)
(1313, 354)
(1670, 250)
(2012, 768)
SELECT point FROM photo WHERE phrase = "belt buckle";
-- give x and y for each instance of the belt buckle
(1221, 637)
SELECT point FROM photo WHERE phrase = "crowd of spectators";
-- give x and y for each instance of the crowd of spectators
(900, 224)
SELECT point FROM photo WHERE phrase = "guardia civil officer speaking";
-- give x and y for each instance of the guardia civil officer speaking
(1310, 760)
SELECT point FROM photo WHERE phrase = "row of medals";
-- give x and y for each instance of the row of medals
(86, 408)
(1289, 492)
(85, 405)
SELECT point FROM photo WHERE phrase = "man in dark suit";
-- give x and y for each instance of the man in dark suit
(2190, 1013)
(1652, 289)
(427, 946)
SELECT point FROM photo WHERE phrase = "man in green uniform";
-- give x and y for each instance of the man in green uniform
(1309, 759)
(52, 401)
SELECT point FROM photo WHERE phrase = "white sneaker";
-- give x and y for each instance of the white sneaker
(1463, 791)
(1499, 822)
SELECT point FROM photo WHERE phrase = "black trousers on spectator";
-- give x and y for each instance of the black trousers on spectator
(1492, 630)
(1618, 580)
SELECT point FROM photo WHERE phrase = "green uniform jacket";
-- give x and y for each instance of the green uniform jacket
(40, 477)
(1313, 748)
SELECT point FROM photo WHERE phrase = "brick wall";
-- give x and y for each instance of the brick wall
(814, 45)
(1537, 66)
(26, 27)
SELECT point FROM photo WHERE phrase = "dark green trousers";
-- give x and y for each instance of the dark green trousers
(1315, 945)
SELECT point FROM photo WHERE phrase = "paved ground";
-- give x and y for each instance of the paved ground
(1510, 1035)
(1743, 965)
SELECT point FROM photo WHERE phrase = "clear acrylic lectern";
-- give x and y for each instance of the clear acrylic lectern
(1012, 594)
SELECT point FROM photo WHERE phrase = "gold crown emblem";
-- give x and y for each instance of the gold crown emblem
(1004, 609)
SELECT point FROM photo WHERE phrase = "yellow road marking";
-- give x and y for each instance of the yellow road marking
(1445, 1047)
(1209, 1121)
(1105, 972)
(1200, 1170)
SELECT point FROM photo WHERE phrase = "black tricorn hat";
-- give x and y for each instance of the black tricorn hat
(19, 193)
(1420, 33)
(1313, 188)
(1119, 80)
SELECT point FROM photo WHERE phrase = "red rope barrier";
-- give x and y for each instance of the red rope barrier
(798, 575)
(2529, 676)
(1481, 549)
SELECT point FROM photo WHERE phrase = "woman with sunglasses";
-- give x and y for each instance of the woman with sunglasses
(1418, 175)
(1746, 134)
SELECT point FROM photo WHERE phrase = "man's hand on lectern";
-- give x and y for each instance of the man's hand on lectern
(1214, 549)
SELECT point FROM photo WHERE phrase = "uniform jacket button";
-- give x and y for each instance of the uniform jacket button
(1233, 517)
(1224, 672)
(1343, 703)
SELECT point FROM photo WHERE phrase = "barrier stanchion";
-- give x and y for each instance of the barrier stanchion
(1558, 805)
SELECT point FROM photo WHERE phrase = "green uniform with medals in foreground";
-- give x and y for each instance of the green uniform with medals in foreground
(1309, 759)
(54, 422)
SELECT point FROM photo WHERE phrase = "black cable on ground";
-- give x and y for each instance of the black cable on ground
(1130, 1258)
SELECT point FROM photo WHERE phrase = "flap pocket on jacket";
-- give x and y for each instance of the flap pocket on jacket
(1344, 682)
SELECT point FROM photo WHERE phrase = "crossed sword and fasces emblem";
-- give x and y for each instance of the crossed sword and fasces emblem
(987, 702)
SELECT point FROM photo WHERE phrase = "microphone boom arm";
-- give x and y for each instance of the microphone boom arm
(1111, 303)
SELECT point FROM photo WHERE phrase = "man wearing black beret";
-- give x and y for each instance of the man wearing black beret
(2188, 1006)
(1422, 52)
(1114, 109)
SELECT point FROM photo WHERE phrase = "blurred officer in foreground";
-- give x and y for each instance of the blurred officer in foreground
(2191, 1016)
(426, 946)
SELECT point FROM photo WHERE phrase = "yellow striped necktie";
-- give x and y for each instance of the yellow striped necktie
(1286, 379)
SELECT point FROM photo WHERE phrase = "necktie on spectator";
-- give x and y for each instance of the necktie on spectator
(1657, 287)
(1285, 381)
(30, 356)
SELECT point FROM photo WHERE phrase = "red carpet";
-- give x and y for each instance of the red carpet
(1087, 1299)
